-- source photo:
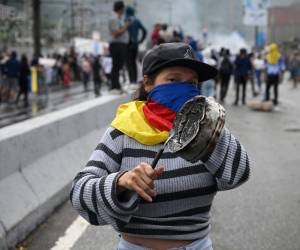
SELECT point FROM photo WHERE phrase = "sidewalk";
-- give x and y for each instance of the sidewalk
(58, 97)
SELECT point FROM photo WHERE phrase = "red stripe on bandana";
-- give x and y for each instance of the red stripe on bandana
(159, 116)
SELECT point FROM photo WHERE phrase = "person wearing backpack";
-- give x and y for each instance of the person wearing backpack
(225, 71)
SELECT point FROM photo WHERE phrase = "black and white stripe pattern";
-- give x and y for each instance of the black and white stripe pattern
(229, 163)
(185, 191)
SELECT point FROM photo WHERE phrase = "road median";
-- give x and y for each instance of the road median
(39, 159)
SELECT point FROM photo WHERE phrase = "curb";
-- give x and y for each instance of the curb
(39, 159)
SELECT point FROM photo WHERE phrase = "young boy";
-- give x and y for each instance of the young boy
(176, 197)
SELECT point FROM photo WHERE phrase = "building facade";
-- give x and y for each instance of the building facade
(284, 23)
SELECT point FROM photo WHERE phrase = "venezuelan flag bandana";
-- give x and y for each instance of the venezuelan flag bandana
(150, 122)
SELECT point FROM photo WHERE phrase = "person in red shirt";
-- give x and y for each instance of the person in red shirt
(155, 34)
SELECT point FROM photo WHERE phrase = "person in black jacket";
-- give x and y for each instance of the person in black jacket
(23, 80)
(97, 67)
(135, 29)
(225, 71)
(12, 70)
(243, 68)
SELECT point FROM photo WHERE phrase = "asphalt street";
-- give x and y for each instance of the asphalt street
(263, 214)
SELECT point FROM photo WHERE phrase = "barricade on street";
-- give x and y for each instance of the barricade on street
(39, 159)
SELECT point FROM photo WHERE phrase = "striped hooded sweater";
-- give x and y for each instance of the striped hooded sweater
(185, 191)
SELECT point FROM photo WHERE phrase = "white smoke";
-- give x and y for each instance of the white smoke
(233, 41)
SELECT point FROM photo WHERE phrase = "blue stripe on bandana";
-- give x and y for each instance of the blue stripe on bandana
(173, 95)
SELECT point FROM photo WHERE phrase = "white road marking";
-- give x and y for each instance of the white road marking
(72, 234)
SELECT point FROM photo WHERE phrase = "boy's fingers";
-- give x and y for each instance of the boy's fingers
(143, 194)
(149, 171)
(147, 189)
(148, 181)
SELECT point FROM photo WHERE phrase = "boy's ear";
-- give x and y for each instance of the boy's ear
(147, 84)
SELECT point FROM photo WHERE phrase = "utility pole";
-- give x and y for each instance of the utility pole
(36, 6)
(256, 30)
(72, 20)
(231, 15)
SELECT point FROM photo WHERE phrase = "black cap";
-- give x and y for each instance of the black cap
(176, 54)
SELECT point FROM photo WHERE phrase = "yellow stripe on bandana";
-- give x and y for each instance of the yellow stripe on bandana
(131, 121)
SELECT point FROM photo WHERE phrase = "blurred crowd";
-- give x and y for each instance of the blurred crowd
(20, 76)
(120, 67)
(262, 68)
